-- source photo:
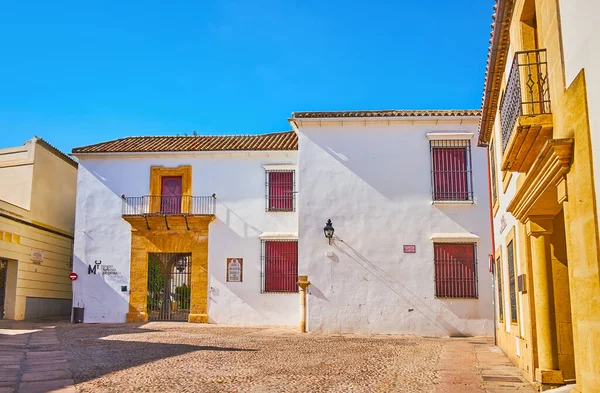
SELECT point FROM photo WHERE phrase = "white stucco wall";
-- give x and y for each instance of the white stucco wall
(238, 179)
(373, 179)
(580, 35)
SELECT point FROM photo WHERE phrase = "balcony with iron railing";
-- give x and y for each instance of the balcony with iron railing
(525, 111)
(167, 209)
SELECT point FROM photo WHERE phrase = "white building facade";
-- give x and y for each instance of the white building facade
(407, 194)
(236, 170)
(238, 219)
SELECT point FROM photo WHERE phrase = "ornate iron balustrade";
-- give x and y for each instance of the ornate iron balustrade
(160, 205)
(527, 90)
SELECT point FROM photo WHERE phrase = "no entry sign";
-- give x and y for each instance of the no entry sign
(73, 276)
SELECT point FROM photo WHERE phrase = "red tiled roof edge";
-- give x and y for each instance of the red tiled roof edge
(496, 63)
(388, 113)
(287, 140)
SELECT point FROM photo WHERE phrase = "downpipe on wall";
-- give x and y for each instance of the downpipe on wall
(491, 256)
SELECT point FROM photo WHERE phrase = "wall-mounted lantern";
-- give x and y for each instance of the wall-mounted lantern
(328, 230)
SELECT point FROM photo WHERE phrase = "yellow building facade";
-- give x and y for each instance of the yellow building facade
(37, 216)
(546, 262)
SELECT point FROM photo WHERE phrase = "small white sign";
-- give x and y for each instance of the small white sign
(37, 256)
(234, 269)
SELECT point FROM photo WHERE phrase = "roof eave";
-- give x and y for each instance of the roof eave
(499, 45)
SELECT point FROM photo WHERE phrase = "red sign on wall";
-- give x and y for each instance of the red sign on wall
(410, 248)
(73, 276)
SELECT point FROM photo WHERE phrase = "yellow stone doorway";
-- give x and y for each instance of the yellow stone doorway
(177, 234)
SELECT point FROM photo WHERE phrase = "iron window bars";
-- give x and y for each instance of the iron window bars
(510, 256)
(500, 294)
(451, 170)
(527, 90)
(280, 191)
(455, 270)
(279, 266)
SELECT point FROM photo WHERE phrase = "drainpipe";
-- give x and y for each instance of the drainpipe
(303, 283)
(491, 255)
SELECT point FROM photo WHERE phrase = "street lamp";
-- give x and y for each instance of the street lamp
(328, 230)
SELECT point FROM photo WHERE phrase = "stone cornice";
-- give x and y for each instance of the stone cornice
(550, 166)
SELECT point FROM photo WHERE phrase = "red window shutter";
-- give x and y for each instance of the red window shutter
(455, 274)
(450, 173)
(281, 191)
(281, 266)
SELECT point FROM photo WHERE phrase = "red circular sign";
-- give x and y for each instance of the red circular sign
(73, 276)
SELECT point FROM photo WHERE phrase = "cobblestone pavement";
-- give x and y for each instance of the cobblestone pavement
(181, 357)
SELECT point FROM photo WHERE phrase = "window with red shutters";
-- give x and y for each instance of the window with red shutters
(451, 170)
(280, 191)
(279, 266)
(455, 270)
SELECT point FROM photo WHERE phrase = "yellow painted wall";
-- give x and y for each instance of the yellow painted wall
(50, 207)
(575, 262)
(54, 191)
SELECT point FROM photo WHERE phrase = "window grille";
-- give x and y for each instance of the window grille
(455, 270)
(280, 191)
(279, 267)
(451, 171)
(500, 294)
(493, 172)
(511, 281)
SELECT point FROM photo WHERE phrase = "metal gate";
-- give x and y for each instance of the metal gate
(3, 269)
(169, 286)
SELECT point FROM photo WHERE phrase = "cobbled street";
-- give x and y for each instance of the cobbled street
(180, 357)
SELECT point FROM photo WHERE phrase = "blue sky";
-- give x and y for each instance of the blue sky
(81, 73)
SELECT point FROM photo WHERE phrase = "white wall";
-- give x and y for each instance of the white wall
(374, 182)
(580, 36)
(238, 179)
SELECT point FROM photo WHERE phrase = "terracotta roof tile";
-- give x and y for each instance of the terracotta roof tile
(386, 113)
(140, 144)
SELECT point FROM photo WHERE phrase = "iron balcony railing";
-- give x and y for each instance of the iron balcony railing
(169, 205)
(527, 90)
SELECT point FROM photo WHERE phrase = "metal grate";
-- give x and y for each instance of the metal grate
(500, 293)
(510, 256)
(527, 90)
(169, 205)
(493, 172)
(455, 270)
(280, 191)
(451, 171)
(169, 286)
(279, 267)
(3, 270)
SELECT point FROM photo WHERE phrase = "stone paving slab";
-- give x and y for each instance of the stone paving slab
(181, 357)
(31, 361)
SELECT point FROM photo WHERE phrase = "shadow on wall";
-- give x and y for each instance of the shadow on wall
(366, 163)
(93, 291)
(396, 286)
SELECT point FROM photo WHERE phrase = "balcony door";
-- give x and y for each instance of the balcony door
(171, 197)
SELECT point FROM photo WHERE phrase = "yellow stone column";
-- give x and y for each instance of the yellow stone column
(539, 229)
(138, 283)
(303, 283)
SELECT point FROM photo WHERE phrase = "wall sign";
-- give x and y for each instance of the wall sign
(502, 224)
(235, 269)
(37, 257)
(410, 248)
